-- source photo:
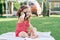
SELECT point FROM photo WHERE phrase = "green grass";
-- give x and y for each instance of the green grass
(43, 24)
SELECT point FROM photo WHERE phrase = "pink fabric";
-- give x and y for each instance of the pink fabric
(22, 27)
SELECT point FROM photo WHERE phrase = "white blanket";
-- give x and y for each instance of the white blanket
(11, 36)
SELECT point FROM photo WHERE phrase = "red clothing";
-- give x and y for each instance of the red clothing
(22, 27)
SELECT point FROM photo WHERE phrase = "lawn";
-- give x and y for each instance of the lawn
(43, 24)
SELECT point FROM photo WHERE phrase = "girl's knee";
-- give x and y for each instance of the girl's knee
(23, 34)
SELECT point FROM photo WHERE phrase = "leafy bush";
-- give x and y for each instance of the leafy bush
(16, 5)
(56, 9)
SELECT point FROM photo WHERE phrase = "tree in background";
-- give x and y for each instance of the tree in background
(1, 11)
(44, 8)
(2, 7)
(47, 8)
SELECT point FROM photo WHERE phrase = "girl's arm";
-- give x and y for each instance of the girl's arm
(30, 26)
(21, 18)
(33, 29)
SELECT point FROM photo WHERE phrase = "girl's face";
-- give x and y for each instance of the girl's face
(27, 13)
(27, 16)
(25, 10)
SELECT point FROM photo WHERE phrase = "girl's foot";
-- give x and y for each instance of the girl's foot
(36, 36)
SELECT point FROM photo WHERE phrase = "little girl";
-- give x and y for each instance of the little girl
(23, 23)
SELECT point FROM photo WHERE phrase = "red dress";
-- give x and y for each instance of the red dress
(22, 27)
